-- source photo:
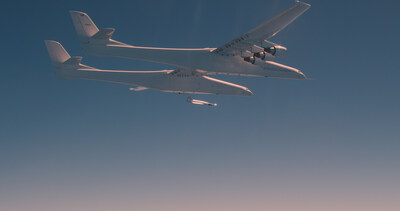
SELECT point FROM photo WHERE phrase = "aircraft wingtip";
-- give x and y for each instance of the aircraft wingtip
(303, 3)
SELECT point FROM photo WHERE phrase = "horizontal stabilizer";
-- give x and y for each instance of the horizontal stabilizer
(104, 34)
(75, 60)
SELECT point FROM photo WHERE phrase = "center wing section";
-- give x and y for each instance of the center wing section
(254, 38)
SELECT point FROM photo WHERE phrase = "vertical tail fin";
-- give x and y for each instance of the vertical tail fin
(57, 53)
(88, 32)
(84, 26)
(64, 65)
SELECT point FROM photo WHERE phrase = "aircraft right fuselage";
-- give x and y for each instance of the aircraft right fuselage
(197, 59)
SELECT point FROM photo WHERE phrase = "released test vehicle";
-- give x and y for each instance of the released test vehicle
(250, 54)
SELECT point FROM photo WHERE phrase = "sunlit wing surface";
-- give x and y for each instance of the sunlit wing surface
(262, 32)
(179, 81)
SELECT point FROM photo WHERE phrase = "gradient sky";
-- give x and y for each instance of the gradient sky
(330, 144)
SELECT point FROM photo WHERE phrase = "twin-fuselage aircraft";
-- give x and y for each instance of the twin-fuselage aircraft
(250, 54)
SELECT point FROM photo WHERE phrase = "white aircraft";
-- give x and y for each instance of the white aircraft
(248, 55)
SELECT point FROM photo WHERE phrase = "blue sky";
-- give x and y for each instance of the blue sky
(331, 143)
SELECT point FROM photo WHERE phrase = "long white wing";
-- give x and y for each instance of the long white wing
(263, 31)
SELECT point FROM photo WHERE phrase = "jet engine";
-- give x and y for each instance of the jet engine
(265, 56)
(258, 52)
(248, 56)
(274, 49)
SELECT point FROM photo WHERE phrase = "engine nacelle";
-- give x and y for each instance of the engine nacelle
(278, 50)
(260, 52)
(248, 56)
(274, 49)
